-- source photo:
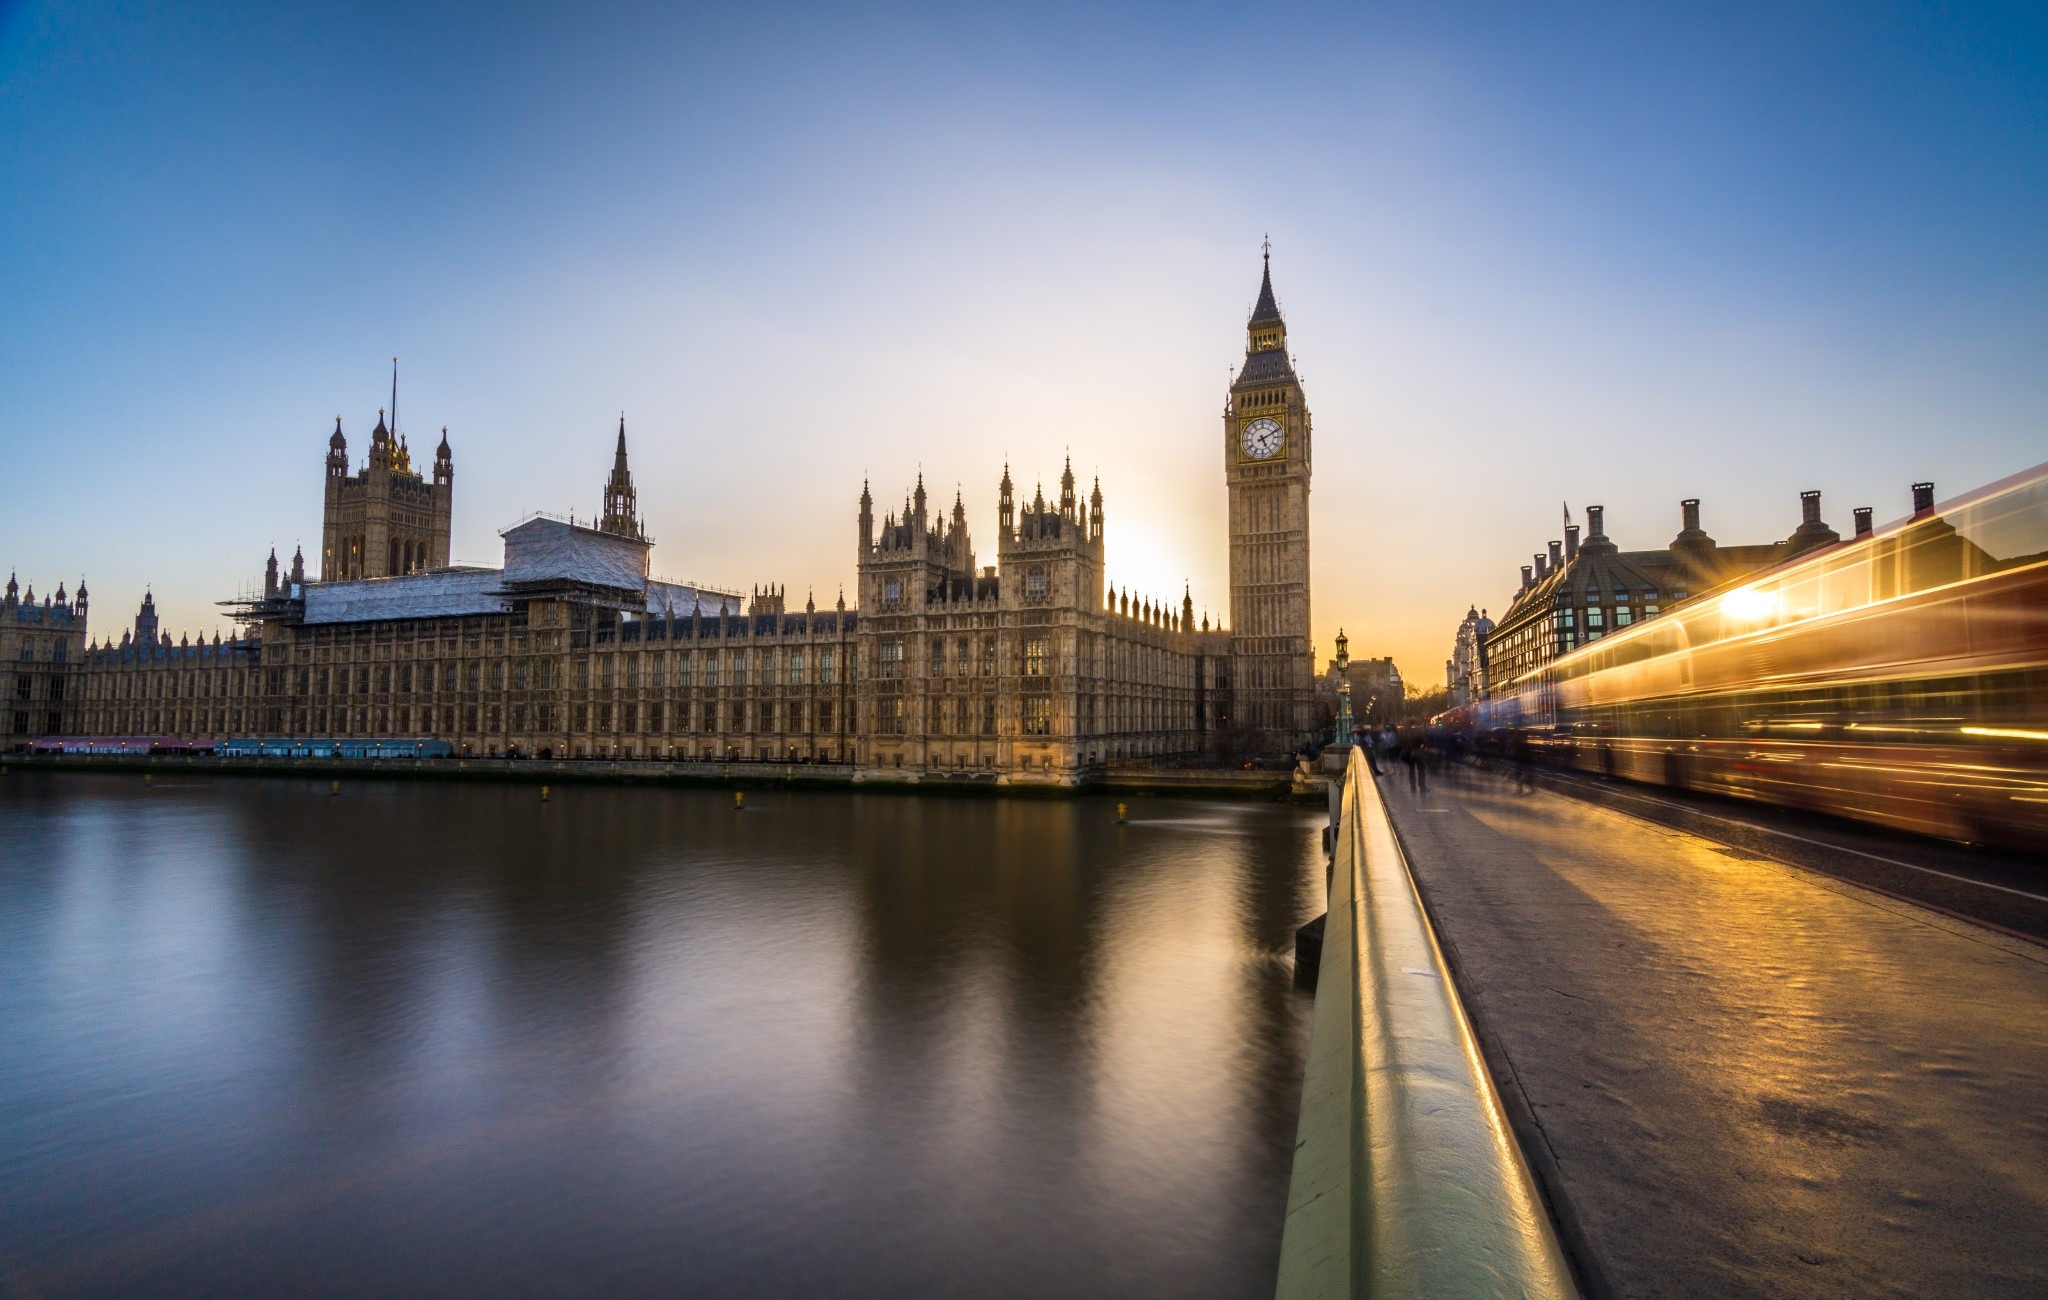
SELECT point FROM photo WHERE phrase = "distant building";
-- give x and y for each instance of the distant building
(1035, 668)
(384, 520)
(39, 646)
(1376, 690)
(1465, 675)
(1575, 592)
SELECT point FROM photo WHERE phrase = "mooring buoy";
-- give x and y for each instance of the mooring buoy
(1121, 809)
(739, 798)
(334, 787)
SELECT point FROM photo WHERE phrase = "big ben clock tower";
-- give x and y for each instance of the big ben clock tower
(1266, 463)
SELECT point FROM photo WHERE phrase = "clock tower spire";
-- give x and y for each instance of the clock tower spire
(1266, 468)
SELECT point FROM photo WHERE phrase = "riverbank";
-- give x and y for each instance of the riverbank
(1208, 783)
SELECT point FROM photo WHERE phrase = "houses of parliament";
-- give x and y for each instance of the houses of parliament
(1034, 669)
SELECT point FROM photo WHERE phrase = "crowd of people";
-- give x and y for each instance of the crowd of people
(1418, 752)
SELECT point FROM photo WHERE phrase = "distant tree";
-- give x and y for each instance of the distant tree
(1423, 704)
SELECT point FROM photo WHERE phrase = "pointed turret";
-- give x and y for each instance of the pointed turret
(621, 507)
(867, 518)
(1267, 312)
(298, 565)
(145, 619)
(1067, 490)
(1265, 346)
(1006, 505)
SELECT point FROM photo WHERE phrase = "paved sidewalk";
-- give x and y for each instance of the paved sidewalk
(1749, 1079)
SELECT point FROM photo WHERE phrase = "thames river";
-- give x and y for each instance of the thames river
(446, 1039)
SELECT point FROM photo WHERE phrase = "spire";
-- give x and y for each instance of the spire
(1067, 489)
(1268, 311)
(337, 442)
(621, 505)
(394, 394)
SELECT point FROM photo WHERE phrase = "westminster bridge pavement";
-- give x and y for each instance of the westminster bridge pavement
(1740, 1053)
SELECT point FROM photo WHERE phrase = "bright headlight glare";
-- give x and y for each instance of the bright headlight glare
(1748, 605)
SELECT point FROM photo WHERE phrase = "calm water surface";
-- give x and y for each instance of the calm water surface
(444, 1039)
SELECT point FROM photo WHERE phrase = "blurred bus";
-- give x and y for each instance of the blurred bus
(1899, 677)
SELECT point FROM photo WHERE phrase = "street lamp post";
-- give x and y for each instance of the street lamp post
(1343, 728)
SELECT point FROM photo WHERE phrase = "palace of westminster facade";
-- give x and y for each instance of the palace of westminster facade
(1033, 669)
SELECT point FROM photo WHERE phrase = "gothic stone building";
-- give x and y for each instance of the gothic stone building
(1032, 669)
(1266, 465)
(385, 520)
(39, 644)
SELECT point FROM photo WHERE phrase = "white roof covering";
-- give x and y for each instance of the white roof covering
(447, 593)
(538, 550)
(665, 596)
(548, 550)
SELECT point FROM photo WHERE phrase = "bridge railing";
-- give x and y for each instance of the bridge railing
(1407, 1179)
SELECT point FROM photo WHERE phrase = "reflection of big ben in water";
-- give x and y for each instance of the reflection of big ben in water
(1266, 465)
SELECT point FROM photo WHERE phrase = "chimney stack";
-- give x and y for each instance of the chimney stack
(1557, 555)
(1596, 530)
(1571, 541)
(1527, 581)
(1809, 508)
(1923, 499)
(1542, 566)
(1689, 509)
(1863, 521)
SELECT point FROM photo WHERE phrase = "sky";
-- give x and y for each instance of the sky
(1529, 256)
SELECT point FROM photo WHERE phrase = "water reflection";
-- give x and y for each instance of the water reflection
(443, 1038)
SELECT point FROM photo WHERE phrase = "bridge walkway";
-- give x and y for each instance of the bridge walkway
(1734, 1076)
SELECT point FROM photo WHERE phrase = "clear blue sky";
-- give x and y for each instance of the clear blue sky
(1527, 254)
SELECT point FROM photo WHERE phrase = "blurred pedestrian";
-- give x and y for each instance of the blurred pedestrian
(1525, 774)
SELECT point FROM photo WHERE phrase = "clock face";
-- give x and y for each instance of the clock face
(1262, 438)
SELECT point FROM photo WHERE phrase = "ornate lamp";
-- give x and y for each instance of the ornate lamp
(1343, 727)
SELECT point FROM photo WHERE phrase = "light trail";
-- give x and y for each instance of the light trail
(1804, 839)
